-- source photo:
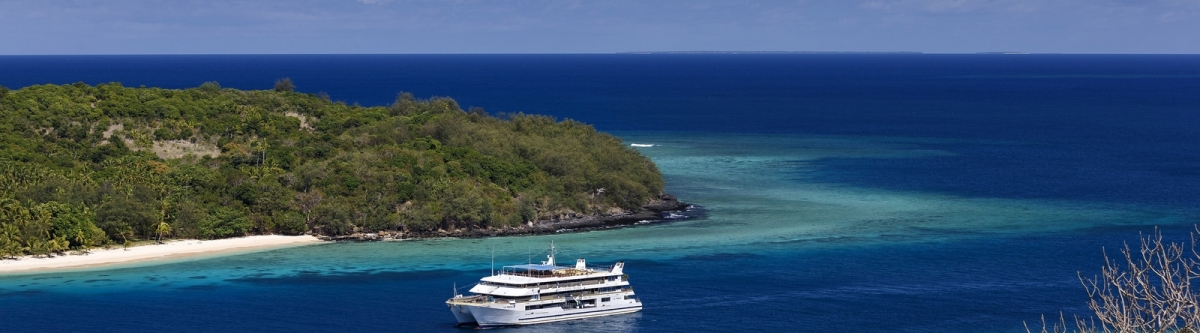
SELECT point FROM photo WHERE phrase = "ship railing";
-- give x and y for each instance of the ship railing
(570, 285)
(471, 299)
(565, 272)
(481, 299)
(565, 297)
(576, 294)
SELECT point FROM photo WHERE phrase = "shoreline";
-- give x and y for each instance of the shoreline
(174, 249)
(193, 248)
(657, 210)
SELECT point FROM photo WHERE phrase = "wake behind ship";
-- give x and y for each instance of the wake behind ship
(534, 294)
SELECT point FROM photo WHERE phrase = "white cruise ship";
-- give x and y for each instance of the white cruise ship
(534, 294)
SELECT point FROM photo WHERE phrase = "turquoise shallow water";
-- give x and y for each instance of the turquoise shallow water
(766, 230)
(880, 193)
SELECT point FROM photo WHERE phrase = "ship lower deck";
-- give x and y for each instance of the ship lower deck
(542, 311)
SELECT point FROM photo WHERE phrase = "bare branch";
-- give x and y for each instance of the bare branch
(1147, 290)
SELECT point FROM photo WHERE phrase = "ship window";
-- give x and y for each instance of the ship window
(541, 306)
(606, 299)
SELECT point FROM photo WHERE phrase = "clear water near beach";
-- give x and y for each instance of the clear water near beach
(891, 193)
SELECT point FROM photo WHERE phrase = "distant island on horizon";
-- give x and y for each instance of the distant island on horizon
(816, 52)
(769, 52)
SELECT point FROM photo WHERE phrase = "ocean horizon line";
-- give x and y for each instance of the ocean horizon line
(683, 52)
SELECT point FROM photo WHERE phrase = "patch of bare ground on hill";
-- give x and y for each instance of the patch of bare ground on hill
(108, 132)
(303, 120)
(172, 149)
(165, 149)
(653, 211)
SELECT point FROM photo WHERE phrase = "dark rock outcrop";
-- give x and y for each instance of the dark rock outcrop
(657, 209)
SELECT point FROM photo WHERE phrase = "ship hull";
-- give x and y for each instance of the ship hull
(543, 293)
(492, 316)
(462, 313)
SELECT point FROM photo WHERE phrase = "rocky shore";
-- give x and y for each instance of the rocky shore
(655, 210)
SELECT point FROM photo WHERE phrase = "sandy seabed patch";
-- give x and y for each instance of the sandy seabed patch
(174, 249)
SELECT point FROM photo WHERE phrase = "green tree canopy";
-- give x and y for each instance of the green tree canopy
(80, 163)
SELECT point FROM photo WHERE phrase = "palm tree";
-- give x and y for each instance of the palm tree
(10, 241)
(125, 234)
(11, 232)
(8, 247)
(38, 247)
(83, 241)
(58, 244)
(163, 228)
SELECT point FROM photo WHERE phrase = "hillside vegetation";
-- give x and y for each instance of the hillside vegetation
(84, 165)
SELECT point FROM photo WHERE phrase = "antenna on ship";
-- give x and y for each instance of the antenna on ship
(493, 259)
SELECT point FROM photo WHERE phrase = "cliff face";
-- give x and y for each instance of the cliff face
(211, 162)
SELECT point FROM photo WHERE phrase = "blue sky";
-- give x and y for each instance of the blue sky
(601, 26)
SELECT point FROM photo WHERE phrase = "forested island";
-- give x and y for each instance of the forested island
(84, 166)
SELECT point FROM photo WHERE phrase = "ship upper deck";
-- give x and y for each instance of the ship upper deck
(530, 275)
(534, 273)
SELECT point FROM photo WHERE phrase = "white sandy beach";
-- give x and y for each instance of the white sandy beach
(174, 249)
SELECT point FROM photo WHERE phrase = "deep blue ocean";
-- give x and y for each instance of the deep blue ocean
(835, 192)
